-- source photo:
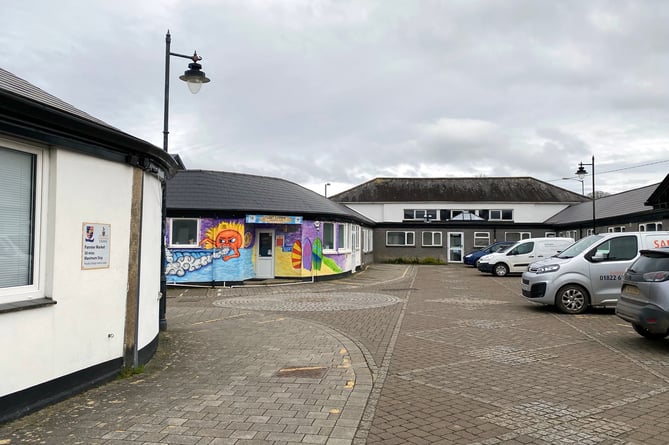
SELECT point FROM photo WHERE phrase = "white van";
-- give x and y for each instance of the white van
(589, 273)
(520, 255)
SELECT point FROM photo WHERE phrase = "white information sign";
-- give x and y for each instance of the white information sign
(95, 244)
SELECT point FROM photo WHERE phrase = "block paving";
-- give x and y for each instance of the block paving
(395, 354)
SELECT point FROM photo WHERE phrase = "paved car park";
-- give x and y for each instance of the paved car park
(395, 354)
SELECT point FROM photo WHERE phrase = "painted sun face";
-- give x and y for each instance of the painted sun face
(228, 238)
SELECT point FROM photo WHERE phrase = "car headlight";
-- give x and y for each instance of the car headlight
(547, 269)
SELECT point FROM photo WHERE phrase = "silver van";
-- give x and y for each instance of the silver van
(589, 273)
(520, 255)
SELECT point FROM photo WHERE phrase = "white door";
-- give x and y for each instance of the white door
(357, 252)
(455, 246)
(265, 254)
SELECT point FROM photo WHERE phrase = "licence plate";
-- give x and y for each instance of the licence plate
(631, 290)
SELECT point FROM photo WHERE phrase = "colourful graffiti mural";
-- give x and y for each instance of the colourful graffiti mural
(226, 252)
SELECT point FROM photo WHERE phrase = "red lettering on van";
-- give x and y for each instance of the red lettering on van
(661, 243)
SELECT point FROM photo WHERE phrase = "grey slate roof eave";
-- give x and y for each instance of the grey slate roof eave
(470, 190)
(623, 204)
(27, 111)
(217, 193)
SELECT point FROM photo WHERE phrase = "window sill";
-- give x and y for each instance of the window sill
(16, 306)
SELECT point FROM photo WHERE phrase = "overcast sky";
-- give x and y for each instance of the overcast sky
(344, 91)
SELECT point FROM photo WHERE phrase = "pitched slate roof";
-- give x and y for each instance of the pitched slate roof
(30, 112)
(624, 203)
(659, 199)
(216, 191)
(20, 87)
(493, 189)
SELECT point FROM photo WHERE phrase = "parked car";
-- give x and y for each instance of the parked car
(644, 299)
(472, 257)
(521, 254)
(589, 273)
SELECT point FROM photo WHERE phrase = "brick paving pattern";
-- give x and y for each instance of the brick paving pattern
(392, 355)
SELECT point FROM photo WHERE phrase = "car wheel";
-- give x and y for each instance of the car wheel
(572, 299)
(500, 270)
(648, 334)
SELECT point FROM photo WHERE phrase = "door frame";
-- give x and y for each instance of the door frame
(268, 260)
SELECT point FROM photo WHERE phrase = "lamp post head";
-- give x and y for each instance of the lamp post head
(581, 172)
(193, 75)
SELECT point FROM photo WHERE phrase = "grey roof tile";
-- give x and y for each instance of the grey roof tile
(611, 206)
(218, 191)
(484, 189)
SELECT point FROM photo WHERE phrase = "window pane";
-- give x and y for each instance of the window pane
(17, 217)
(410, 240)
(427, 238)
(341, 240)
(328, 236)
(184, 231)
(507, 215)
(395, 237)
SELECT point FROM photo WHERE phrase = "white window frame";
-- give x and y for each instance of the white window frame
(482, 239)
(422, 214)
(616, 229)
(171, 243)
(406, 234)
(644, 226)
(367, 240)
(326, 247)
(550, 234)
(343, 238)
(355, 237)
(500, 217)
(589, 231)
(523, 236)
(35, 289)
(432, 242)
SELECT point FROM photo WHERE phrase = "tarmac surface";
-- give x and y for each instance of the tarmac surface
(395, 354)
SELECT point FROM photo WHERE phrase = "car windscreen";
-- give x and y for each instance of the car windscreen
(579, 246)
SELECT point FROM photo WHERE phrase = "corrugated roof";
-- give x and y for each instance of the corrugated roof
(493, 189)
(208, 190)
(625, 203)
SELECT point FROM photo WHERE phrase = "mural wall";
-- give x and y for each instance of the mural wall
(225, 250)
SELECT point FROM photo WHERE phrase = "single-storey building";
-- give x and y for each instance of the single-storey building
(226, 228)
(80, 211)
(627, 211)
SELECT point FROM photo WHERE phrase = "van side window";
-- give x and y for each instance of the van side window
(617, 249)
(623, 248)
(524, 248)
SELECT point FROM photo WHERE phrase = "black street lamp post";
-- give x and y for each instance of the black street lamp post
(581, 172)
(195, 78)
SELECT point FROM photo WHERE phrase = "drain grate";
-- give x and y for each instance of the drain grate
(303, 372)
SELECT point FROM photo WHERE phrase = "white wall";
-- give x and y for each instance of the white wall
(394, 212)
(150, 261)
(86, 326)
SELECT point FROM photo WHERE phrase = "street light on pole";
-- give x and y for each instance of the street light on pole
(195, 78)
(581, 172)
(579, 180)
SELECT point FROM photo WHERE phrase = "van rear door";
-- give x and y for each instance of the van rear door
(608, 261)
